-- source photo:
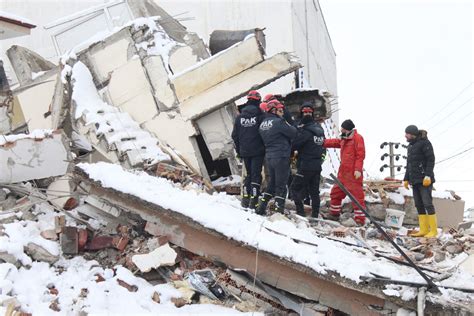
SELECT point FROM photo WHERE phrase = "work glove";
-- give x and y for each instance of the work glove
(357, 174)
(405, 184)
(426, 181)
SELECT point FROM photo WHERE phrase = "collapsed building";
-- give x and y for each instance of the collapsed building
(148, 101)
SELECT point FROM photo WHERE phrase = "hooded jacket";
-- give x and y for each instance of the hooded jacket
(309, 144)
(352, 155)
(420, 159)
(245, 134)
(277, 135)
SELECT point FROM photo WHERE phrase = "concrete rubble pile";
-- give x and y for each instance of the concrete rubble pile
(150, 98)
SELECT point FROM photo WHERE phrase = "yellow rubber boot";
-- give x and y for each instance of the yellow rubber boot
(433, 223)
(424, 226)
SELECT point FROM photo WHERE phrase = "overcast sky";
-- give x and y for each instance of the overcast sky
(408, 62)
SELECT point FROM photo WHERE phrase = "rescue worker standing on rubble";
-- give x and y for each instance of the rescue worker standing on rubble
(309, 146)
(277, 135)
(420, 175)
(249, 147)
(352, 148)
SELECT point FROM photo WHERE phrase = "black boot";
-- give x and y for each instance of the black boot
(299, 208)
(245, 201)
(253, 202)
(255, 194)
(262, 204)
(315, 212)
(279, 204)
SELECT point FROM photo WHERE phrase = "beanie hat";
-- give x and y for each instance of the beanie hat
(348, 124)
(412, 130)
(307, 107)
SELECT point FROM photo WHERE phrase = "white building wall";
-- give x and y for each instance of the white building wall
(312, 43)
(41, 12)
(290, 25)
(210, 15)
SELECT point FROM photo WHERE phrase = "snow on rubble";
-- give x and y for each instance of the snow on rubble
(222, 213)
(73, 286)
(35, 134)
(108, 118)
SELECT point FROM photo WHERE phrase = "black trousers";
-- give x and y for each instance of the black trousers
(253, 179)
(306, 182)
(279, 171)
(423, 199)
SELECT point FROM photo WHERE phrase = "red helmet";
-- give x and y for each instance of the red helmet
(269, 97)
(263, 106)
(254, 95)
(274, 104)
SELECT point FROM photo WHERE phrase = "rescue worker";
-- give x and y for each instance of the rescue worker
(249, 147)
(286, 113)
(352, 148)
(253, 98)
(309, 146)
(420, 175)
(277, 135)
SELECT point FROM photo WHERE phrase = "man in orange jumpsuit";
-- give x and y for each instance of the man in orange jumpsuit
(350, 170)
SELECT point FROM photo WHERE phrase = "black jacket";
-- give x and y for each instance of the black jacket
(277, 135)
(247, 140)
(309, 144)
(420, 159)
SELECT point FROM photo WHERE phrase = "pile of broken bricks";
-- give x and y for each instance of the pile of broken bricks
(153, 258)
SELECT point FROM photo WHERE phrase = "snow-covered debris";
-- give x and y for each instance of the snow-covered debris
(223, 214)
(35, 134)
(111, 122)
(77, 285)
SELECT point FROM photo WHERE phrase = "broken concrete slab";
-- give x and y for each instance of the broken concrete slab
(165, 125)
(38, 253)
(35, 101)
(172, 27)
(60, 190)
(163, 90)
(104, 57)
(237, 86)
(161, 256)
(222, 39)
(181, 58)
(34, 158)
(216, 129)
(103, 206)
(130, 90)
(26, 62)
(217, 69)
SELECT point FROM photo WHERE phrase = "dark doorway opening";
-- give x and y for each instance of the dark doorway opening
(215, 168)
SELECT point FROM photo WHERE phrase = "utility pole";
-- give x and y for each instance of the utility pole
(392, 156)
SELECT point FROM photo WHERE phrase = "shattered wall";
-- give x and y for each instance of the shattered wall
(285, 30)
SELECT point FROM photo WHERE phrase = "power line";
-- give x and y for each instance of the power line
(464, 89)
(451, 113)
(462, 152)
(455, 123)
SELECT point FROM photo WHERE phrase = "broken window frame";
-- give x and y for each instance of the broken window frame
(85, 17)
